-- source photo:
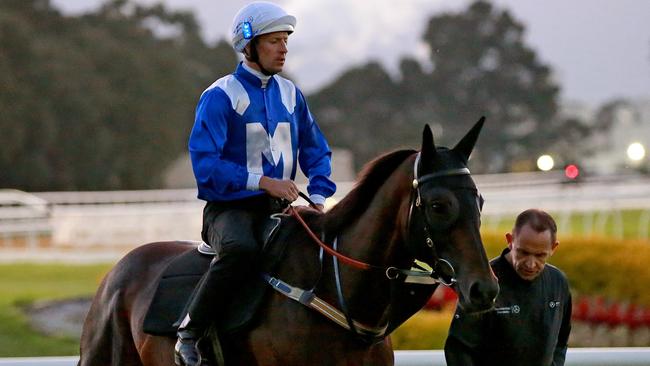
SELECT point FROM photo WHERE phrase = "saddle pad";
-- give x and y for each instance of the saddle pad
(174, 289)
(179, 279)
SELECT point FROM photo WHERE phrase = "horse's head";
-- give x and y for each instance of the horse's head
(445, 221)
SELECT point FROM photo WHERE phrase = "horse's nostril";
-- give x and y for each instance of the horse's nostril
(482, 292)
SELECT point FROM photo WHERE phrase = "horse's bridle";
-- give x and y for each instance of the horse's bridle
(443, 271)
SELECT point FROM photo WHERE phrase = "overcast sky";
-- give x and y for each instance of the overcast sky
(598, 49)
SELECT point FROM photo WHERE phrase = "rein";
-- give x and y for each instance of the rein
(343, 258)
(347, 260)
(442, 271)
(393, 272)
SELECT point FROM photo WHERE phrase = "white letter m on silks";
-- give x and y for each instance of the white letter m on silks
(259, 143)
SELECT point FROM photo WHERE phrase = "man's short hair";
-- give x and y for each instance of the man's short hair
(538, 220)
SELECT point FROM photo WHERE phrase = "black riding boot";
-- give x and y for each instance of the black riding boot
(186, 350)
(230, 232)
(208, 302)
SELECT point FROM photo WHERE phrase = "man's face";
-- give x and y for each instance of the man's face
(272, 50)
(529, 251)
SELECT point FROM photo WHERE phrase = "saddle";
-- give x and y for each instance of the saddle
(183, 273)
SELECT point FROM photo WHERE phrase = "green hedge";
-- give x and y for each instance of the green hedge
(616, 269)
(425, 330)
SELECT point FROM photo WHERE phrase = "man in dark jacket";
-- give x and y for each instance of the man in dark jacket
(531, 320)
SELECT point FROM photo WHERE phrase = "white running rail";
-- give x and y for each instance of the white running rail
(623, 356)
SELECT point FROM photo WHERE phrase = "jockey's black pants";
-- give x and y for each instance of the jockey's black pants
(230, 228)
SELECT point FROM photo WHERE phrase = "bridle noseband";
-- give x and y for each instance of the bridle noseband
(442, 269)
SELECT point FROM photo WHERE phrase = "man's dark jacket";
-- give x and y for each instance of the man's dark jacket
(529, 325)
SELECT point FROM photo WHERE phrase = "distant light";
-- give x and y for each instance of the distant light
(571, 171)
(545, 163)
(635, 151)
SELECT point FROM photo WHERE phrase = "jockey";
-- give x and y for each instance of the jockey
(252, 129)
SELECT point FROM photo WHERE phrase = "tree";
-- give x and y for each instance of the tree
(98, 101)
(354, 115)
(481, 66)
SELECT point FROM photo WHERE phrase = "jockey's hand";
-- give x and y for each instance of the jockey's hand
(283, 189)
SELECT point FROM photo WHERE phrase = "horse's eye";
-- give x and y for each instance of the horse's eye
(439, 207)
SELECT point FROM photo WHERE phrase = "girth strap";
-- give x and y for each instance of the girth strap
(309, 299)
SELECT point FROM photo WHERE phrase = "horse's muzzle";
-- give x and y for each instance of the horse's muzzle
(481, 297)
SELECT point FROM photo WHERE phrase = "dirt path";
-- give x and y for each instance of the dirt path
(59, 318)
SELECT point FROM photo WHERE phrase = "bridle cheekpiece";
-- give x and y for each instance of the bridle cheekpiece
(442, 269)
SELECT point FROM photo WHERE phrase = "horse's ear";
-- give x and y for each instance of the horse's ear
(466, 144)
(428, 149)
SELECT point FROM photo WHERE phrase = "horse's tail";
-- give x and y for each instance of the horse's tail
(106, 336)
(112, 333)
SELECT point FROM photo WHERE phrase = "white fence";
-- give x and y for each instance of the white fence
(575, 357)
(595, 202)
(130, 218)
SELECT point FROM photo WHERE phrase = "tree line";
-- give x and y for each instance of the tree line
(98, 101)
(105, 100)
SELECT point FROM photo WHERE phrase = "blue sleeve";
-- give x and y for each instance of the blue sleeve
(214, 174)
(314, 155)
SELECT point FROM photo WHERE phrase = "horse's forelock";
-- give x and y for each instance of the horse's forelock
(447, 159)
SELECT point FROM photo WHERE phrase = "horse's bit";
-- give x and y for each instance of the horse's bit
(443, 270)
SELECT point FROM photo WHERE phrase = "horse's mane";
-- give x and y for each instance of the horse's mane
(371, 177)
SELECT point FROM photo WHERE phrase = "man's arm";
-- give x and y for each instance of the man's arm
(457, 353)
(559, 354)
(314, 156)
(206, 144)
(465, 337)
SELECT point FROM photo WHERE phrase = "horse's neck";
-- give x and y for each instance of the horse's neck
(376, 238)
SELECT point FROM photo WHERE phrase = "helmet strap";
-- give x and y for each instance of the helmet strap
(254, 57)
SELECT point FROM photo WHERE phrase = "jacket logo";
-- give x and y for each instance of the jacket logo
(274, 148)
(514, 309)
(553, 304)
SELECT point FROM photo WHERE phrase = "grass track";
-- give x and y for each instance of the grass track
(22, 284)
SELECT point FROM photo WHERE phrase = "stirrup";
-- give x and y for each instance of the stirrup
(183, 347)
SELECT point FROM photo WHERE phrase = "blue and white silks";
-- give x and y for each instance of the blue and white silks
(248, 125)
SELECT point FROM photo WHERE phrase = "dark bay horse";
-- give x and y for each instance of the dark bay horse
(405, 206)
